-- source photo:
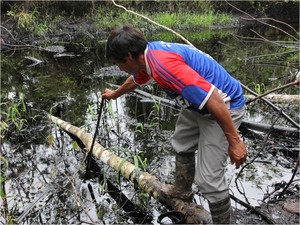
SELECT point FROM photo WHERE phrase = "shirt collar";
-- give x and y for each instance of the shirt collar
(146, 62)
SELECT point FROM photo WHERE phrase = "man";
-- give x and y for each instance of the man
(212, 109)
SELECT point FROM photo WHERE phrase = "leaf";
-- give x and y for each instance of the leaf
(75, 146)
(2, 191)
(122, 162)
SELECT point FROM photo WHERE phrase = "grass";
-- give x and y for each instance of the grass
(192, 20)
(106, 18)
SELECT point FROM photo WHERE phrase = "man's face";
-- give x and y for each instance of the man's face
(130, 65)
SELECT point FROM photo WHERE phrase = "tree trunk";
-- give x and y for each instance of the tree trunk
(196, 214)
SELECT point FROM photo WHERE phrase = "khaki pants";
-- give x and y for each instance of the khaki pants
(201, 133)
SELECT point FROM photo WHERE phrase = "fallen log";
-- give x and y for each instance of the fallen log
(277, 98)
(195, 214)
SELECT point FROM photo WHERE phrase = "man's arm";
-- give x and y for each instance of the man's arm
(236, 150)
(128, 86)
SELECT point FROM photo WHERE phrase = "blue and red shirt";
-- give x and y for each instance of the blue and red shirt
(189, 75)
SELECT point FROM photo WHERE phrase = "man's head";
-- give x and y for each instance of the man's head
(124, 40)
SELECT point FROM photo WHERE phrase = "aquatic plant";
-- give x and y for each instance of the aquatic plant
(14, 115)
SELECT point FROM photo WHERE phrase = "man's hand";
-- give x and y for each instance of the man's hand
(237, 153)
(108, 94)
(128, 86)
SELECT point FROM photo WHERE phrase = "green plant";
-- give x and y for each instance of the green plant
(259, 88)
(91, 112)
(110, 108)
(139, 165)
(154, 115)
(25, 19)
(3, 196)
(4, 165)
(137, 160)
(29, 20)
(139, 128)
(14, 114)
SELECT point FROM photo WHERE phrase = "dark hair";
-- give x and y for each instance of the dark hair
(123, 40)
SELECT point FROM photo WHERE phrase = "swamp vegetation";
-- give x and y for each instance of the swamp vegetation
(53, 62)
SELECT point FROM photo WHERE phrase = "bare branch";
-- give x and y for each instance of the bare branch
(257, 154)
(260, 21)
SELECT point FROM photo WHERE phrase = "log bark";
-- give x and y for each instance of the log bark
(277, 98)
(195, 214)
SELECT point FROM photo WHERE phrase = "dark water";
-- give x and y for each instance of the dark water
(44, 168)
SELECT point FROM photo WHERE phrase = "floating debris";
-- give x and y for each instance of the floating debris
(64, 54)
(34, 61)
(55, 48)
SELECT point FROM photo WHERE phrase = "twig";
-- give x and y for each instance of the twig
(258, 153)
(15, 46)
(253, 209)
(292, 178)
(273, 90)
(79, 203)
(297, 39)
(273, 54)
(265, 39)
(277, 21)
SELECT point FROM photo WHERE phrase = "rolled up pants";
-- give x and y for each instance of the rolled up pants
(202, 134)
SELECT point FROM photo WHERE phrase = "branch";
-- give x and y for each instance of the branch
(297, 39)
(258, 153)
(292, 178)
(273, 106)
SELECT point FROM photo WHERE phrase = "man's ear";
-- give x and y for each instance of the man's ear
(129, 55)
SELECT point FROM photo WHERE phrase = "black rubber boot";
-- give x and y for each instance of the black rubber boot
(221, 212)
(184, 178)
